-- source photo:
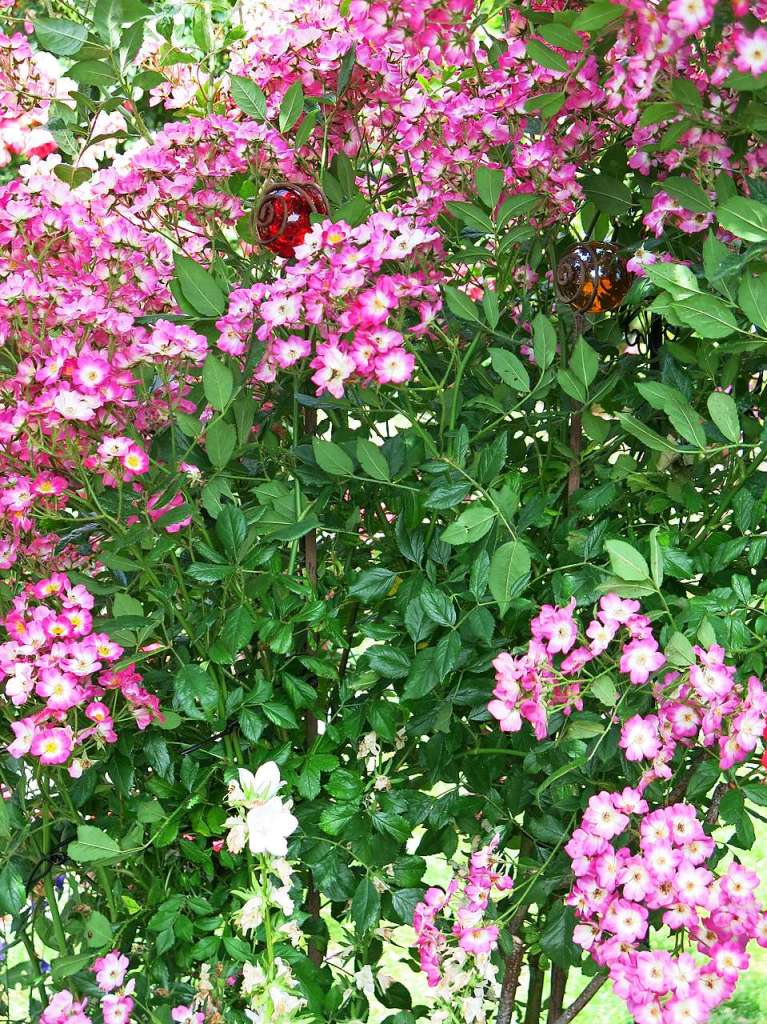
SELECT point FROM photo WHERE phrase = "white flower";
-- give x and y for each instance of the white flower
(252, 790)
(473, 1007)
(253, 977)
(250, 915)
(364, 981)
(269, 826)
(281, 898)
(237, 835)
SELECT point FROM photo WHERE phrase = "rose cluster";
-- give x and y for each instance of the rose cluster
(703, 703)
(344, 303)
(57, 661)
(116, 1003)
(465, 901)
(661, 882)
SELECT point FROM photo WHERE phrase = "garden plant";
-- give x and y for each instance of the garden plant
(383, 440)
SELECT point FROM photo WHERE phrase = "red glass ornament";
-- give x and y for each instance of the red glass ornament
(592, 277)
(283, 215)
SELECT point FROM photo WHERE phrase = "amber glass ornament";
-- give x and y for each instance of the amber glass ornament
(592, 277)
(283, 215)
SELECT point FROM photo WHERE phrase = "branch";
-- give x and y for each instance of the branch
(510, 982)
(557, 993)
(583, 999)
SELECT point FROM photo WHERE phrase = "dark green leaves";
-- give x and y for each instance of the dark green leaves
(248, 97)
(745, 218)
(199, 287)
(332, 458)
(546, 57)
(608, 194)
(626, 561)
(218, 383)
(60, 36)
(508, 566)
(510, 369)
(366, 906)
(291, 107)
(92, 844)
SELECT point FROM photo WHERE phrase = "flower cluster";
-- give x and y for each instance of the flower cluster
(339, 304)
(662, 882)
(56, 659)
(117, 1001)
(465, 899)
(701, 704)
(263, 821)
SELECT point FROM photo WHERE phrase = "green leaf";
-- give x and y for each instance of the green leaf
(470, 526)
(93, 72)
(745, 218)
(332, 458)
(372, 459)
(107, 21)
(644, 434)
(13, 892)
(571, 385)
(687, 94)
(460, 304)
(609, 195)
(596, 16)
(687, 422)
(557, 937)
(546, 58)
(557, 34)
(248, 97)
(509, 564)
(517, 206)
(544, 341)
(489, 185)
(605, 690)
(626, 561)
(60, 36)
(584, 362)
(217, 382)
(679, 650)
(658, 395)
(688, 193)
(231, 530)
(366, 906)
(389, 662)
(674, 278)
(199, 287)
(92, 844)
(472, 216)
(510, 369)
(547, 104)
(65, 966)
(491, 308)
(438, 606)
(708, 316)
(724, 413)
(752, 298)
(372, 584)
(220, 442)
(98, 930)
(292, 107)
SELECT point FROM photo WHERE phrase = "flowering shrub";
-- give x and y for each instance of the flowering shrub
(368, 607)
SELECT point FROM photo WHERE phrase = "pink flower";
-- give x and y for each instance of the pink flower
(479, 940)
(52, 746)
(639, 737)
(751, 51)
(640, 658)
(394, 367)
(110, 970)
